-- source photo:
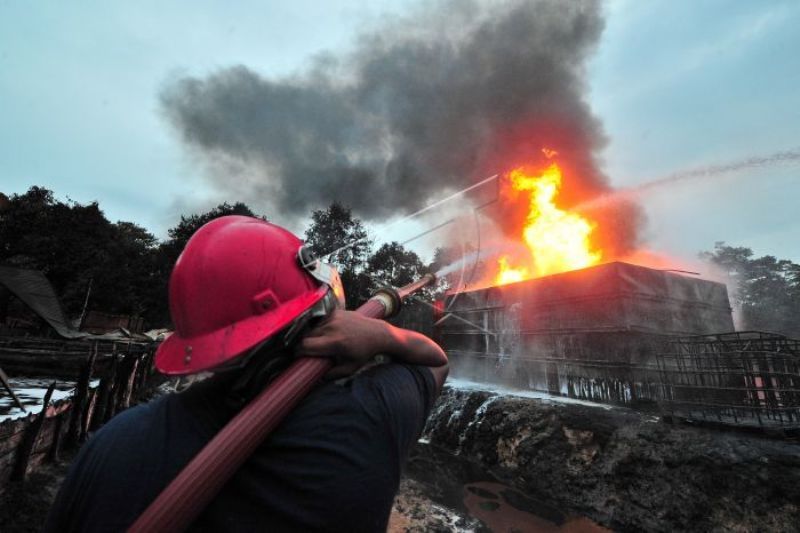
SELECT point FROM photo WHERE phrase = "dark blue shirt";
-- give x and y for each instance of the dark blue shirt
(333, 465)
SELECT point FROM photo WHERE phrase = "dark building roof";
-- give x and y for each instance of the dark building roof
(610, 297)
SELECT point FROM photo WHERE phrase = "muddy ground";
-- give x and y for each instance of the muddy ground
(625, 470)
(420, 507)
(444, 492)
(23, 507)
(493, 462)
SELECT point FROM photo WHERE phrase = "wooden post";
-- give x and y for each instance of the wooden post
(52, 454)
(7, 386)
(119, 384)
(124, 380)
(147, 369)
(88, 415)
(108, 411)
(79, 401)
(105, 390)
(144, 371)
(138, 376)
(130, 383)
(29, 442)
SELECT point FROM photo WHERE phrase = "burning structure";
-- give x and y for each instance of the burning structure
(625, 334)
(570, 333)
(564, 316)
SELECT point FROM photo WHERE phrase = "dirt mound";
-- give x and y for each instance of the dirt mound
(624, 469)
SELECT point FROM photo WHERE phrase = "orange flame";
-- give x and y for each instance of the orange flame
(509, 274)
(557, 240)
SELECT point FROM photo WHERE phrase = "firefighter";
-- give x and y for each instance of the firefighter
(245, 299)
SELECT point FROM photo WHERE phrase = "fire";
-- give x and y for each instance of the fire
(557, 240)
(509, 274)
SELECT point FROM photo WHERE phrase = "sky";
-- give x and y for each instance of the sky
(677, 85)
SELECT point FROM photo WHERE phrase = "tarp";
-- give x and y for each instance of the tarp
(33, 288)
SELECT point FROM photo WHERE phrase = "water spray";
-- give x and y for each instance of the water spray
(707, 172)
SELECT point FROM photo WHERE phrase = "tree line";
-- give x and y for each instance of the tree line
(764, 290)
(125, 269)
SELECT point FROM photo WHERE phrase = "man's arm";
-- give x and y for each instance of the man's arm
(354, 340)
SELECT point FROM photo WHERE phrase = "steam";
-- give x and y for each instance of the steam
(422, 106)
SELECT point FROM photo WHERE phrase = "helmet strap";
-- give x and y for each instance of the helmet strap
(264, 364)
(318, 312)
(267, 360)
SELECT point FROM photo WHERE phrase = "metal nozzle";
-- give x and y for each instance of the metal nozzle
(424, 281)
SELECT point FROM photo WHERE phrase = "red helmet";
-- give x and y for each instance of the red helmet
(239, 281)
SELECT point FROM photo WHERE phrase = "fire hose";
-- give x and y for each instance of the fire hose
(179, 504)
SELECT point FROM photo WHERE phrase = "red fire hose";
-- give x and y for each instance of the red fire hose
(196, 485)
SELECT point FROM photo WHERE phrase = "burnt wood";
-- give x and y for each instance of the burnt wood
(28, 443)
(79, 402)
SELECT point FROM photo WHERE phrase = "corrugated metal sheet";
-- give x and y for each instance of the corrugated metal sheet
(33, 288)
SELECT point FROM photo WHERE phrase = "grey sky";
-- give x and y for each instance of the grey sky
(676, 85)
(686, 84)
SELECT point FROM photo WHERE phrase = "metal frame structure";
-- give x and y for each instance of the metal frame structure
(745, 378)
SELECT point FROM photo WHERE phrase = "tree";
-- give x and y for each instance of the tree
(182, 232)
(765, 289)
(336, 234)
(74, 245)
(338, 237)
(442, 257)
(395, 265)
(132, 254)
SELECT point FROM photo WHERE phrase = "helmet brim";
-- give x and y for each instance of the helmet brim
(188, 355)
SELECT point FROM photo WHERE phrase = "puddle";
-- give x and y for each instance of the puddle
(502, 508)
(465, 487)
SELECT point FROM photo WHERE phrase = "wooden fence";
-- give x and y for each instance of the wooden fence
(123, 370)
(32, 357)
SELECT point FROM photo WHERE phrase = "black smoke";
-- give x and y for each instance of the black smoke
(425, 104)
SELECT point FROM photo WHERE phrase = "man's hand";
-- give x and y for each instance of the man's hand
(352, 340)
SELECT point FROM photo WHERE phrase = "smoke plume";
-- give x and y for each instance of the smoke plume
(425, 104)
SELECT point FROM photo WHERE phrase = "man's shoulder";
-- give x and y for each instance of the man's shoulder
(398, 397)
(394, 373)
(157, 432)
(117, 471)
(404, 381)
(378, 394)
(131, 424)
